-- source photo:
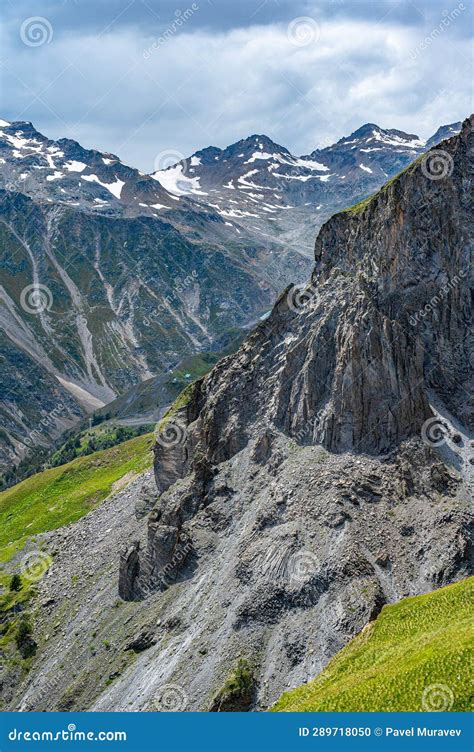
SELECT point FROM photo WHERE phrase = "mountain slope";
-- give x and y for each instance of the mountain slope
(300, 486)
(411, 647)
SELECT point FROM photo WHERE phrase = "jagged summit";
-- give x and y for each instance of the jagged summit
(445, 131)
(371, 131)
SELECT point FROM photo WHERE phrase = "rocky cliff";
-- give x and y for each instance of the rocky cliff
(322, 471)
(340, 383)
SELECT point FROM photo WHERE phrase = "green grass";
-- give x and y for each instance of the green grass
(417, 643)
(94, 439)
(63, 494)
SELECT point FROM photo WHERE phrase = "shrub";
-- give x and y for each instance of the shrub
(16, 583)
(24, 641)
(237, 692)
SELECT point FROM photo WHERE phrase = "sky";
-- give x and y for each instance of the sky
(145, 78)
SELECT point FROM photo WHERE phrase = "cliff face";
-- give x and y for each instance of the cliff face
(323, 470)
(348, 361)
(303, 470)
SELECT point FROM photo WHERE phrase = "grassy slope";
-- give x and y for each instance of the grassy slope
(63, 494)
(416, 643)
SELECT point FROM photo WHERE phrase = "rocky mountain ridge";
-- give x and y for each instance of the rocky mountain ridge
(260, 184)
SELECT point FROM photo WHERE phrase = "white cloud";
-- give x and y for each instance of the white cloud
(204, 87)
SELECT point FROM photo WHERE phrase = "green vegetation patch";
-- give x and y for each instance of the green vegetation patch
(237, 692)
(415, 656)
(95, 439)
(183, 399)
(63, 494)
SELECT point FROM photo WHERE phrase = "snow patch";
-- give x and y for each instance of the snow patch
(57, 174)
(114, 188)
(177, 183)
(396, 140)
(236, 213)
(74, 166)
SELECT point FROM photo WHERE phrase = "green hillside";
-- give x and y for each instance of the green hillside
(394, 663)
(63, 494)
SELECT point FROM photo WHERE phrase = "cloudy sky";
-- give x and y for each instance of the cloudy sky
(143, 77)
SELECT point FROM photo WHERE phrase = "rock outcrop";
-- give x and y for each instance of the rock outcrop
(349, 362)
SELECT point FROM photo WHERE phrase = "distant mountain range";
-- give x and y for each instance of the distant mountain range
(262, 186)
(112, 277)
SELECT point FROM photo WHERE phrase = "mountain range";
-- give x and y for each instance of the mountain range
(112, 277)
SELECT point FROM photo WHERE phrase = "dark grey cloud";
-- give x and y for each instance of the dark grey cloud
(138, 78)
